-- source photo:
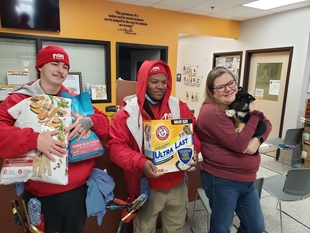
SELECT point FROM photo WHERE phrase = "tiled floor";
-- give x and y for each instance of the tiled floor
(300, 210)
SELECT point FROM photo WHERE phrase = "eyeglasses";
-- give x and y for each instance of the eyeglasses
(222, 88)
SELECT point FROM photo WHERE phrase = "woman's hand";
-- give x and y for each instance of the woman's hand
(252, 146)
(81, 125)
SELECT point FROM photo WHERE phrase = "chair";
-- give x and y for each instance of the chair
(110, 111)
(291, 142)
(294, 186)
(110, 108)
(205, 201)
(259, 186)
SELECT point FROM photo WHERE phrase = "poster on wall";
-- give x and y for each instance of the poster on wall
(98, 92)
(220, 61)
(268, 76)
(274, 87)
(179, 77)
(73, 82)
(229, 60)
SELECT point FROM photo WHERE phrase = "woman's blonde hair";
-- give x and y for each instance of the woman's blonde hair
(209, 91)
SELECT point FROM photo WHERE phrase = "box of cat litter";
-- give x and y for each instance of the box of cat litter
(169, 144)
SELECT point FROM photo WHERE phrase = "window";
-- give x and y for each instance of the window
(17, 54)
(88, 57)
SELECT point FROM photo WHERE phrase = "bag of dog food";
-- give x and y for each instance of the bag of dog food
(41, 113)
(89, 145)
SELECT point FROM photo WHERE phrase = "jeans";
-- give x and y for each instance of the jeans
(227, 197)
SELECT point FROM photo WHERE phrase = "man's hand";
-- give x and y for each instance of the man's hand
(194, 162)
(47, 145)
(81, 125)
(150, 170)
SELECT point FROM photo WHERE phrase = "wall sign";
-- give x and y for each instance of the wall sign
(125, 22)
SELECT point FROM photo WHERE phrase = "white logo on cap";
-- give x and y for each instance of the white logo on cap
(155, 68)
(58, 56)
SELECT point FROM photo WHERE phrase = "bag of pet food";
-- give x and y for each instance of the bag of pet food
(89, 145)
(41, 113)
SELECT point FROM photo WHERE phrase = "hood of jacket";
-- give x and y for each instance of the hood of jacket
(143, 76)
(34, 88)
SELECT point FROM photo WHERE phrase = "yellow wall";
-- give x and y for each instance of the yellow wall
(83, 19)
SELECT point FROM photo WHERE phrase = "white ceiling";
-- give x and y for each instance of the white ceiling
(226, 9)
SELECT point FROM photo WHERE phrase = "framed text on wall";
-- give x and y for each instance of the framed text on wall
(74, 82)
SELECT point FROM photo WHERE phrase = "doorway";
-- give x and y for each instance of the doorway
(129, 58)
(270, 90)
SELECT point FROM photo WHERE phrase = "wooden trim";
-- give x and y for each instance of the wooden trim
(138, 47)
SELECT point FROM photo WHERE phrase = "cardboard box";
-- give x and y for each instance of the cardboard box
(305, 154)
(306, 136)
(307, 128)
(307, 164)
(169, 144)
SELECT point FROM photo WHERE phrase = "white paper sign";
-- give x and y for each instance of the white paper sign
(259, 93)
(274, 87)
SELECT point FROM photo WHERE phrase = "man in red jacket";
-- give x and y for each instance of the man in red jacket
(63, 206)
(125, 145)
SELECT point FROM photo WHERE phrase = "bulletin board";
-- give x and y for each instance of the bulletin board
(267, 83)
(230, 60)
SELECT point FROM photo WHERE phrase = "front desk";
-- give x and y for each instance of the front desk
(111, 218)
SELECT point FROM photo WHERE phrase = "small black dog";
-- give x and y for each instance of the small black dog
(240, 111)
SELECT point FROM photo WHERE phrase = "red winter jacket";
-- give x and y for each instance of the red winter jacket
(15, 142)
(125, 141)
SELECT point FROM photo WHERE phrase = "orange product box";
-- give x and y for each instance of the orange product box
(169, 144)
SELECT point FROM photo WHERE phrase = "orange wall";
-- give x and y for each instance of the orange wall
(82, 19)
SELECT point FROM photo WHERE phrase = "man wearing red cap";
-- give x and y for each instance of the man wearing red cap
(152, 101)
(63, 206)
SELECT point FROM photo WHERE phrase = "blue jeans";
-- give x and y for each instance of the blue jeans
(227, 197)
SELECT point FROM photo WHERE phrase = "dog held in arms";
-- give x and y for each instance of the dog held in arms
(239, 110)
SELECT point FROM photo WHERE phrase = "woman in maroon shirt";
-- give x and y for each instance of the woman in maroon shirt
(230, 161)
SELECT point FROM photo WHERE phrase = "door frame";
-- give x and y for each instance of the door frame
(246, 75)
(138, 47)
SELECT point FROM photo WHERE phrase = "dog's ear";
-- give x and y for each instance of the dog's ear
(242, 94)
(251, 98)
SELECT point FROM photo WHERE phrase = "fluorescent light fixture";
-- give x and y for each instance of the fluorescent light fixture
(269, 4)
